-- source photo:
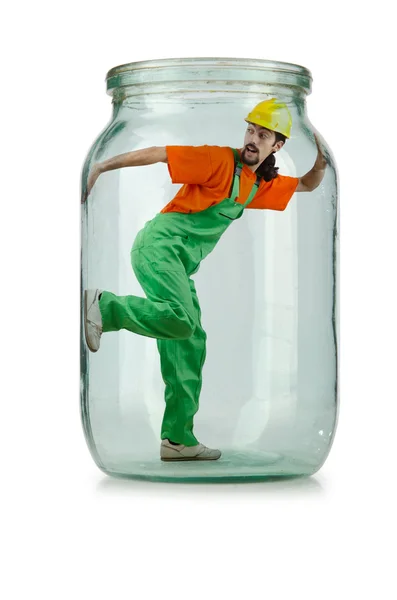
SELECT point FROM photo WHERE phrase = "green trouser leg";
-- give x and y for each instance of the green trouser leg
(170, 313)
(181, 366)
(166, 313)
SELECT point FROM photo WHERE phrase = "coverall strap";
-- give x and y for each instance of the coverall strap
(236, 180)
(255, 188)
(236, 177)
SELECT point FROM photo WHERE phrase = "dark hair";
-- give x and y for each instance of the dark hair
(267, 168)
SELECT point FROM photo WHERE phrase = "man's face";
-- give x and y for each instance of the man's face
(259, 142)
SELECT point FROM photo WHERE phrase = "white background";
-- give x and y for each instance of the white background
(67, 530)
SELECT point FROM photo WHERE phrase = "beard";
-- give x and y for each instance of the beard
(250, 158)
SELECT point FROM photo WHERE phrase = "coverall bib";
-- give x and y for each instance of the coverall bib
(166, 252)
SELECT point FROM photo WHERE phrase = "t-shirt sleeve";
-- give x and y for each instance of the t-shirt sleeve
(276, 194)
(189, 164)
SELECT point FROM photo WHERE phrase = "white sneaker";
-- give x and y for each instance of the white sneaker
(92, 319)
(180, 452)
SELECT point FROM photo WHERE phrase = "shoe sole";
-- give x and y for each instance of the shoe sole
(85, 322)
(185, 458)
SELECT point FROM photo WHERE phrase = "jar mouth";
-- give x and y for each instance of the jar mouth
(209, 71)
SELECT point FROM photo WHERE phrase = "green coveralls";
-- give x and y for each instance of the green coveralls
(166, 252)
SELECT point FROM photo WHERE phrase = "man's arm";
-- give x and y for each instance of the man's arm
(137, 158)
(314, 177)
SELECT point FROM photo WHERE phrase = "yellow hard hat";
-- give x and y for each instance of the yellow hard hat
(273, 115)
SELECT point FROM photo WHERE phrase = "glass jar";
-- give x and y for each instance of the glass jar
(268, 292)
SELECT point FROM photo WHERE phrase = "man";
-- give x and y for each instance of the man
(218, 184)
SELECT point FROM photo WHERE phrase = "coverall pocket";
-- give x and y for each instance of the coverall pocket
(227, 216)
(232, 212)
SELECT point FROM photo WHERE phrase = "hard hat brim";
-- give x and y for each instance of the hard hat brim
(266, 127)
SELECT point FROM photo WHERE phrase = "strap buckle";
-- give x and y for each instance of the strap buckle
(238, 169)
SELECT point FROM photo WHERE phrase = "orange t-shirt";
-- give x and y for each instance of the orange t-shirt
(207, 174)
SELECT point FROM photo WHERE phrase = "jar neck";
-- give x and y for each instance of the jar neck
(176, 101)
(206, 80)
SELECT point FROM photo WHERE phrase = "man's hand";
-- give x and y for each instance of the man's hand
(314, 177)
(321, 161)
(92, 177)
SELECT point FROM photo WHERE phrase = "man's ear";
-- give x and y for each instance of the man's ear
(278, 146)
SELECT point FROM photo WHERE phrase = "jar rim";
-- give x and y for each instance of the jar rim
(208, 69)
